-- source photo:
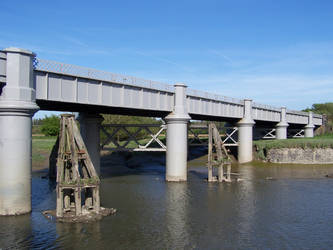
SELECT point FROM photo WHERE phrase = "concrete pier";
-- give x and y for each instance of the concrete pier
(90, 131)
(281, 127)
(177, 121)
(245, 134)
(17, 106)
(309, 128)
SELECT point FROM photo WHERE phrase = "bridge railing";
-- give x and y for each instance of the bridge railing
(265, 112)
(204, 103)
(211, 96)
(199, 102)
(84, 72)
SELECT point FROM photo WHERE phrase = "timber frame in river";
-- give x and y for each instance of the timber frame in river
(78, 198)
(217, 156)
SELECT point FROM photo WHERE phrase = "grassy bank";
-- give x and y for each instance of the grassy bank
(322, 141)
(41, 148)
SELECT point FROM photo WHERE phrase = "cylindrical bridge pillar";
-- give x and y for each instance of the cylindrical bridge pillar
(90, 131)
(309, 128)
(17, 106)
(245, 134)
(281, 127)
(177, 121)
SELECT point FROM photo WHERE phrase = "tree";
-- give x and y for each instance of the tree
(50, 125)
(324, 109)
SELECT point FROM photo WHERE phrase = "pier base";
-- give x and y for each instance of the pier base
(281, 127)
(176, 154)
(177, 122)
(17, 106)
(245, 134)
(281, 131)
(308, 131)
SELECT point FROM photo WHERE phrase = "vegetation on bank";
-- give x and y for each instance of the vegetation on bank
(327, 110)
(320, 141)
(41, 148)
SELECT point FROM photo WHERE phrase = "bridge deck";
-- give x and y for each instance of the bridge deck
(68, 87)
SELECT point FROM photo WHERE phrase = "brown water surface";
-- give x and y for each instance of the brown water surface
(274, 207)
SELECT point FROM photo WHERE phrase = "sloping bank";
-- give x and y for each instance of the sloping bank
(317, 150)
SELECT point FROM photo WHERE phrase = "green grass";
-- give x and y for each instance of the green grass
(322, 141)
(41, 148)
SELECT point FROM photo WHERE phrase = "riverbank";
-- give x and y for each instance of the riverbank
(317, 150)
(41, 149)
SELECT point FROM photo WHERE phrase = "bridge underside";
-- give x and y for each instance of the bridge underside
(99, 109)
(96, 109)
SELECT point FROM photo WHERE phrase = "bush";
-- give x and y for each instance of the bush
(51, 125)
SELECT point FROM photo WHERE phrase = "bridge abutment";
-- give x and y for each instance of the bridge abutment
(17, 106)
(177, 122)
(245, 134)
(90, 131)
(281, 127)
(309, 128)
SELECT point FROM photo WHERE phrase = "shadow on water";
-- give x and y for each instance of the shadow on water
(141, 163)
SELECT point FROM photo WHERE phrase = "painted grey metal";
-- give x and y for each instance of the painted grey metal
(261, 112)
(299, 133)
(17, 105)
(99, 75)
(62, 82)
(78, 90)
(2, 67)
(271, 134)
(204, 103)
(117, 147)
(229, 140)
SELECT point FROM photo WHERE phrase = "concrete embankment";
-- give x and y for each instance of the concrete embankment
(299, 155)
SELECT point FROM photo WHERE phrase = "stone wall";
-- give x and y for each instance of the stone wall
(300, 156)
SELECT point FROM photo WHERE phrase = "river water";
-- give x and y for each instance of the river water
(273, 207)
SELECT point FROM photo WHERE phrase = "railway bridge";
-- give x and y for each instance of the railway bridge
(29, 84)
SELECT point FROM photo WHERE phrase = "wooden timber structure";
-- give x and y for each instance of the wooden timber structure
(77, 180)
(217, 156)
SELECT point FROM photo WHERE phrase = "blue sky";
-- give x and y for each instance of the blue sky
(274, 52)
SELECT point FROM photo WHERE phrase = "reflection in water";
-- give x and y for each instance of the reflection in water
(246, 209)
(79, 235)
(176, 215)
(292, 209)
(15, 231)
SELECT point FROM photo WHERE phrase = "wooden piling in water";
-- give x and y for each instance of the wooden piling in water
(217, 156)
(77, 180)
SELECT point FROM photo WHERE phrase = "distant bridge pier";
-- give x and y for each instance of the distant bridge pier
(17, 106)
(281, 127)
(309, 128)
(177, 122)
(90, 125)
(245, 134)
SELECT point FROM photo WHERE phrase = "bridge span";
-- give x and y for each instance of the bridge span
(28, 84)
